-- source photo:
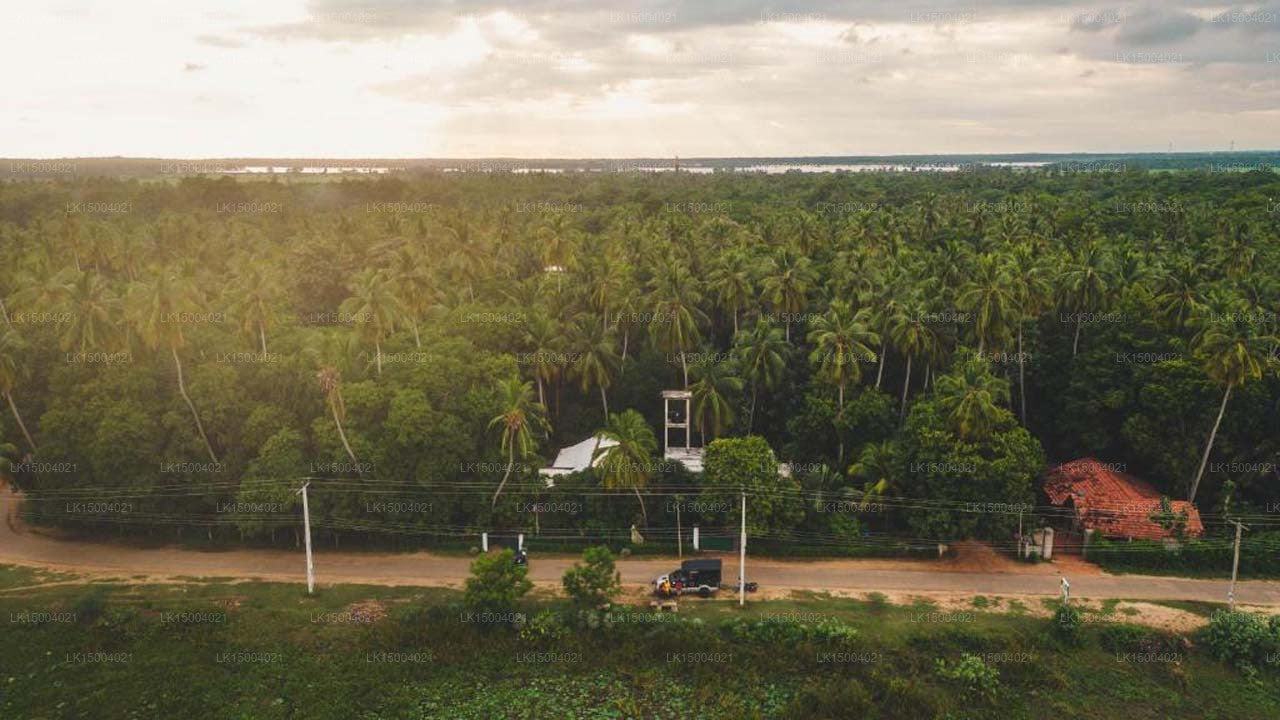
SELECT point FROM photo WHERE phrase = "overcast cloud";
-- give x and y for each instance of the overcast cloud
(573, 78)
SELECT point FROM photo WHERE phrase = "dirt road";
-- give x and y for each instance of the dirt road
(974, 571)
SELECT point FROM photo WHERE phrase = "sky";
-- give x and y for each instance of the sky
(642, 78)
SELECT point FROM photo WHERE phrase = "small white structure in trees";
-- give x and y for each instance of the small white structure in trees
(679, 417)
(576, 458)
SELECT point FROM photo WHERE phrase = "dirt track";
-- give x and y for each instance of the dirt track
(975, 570)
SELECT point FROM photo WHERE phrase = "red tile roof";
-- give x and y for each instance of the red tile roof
(1115, 504)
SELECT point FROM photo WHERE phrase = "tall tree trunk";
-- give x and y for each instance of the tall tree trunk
(788, 327)
(902, 410)
(643, 513)
(182, 389)
(1022, 378)
(751, 414)
(884, 345)
(4, 312)
(511, 463)
(417, 340)
(262, 336)
(684, 366)
(16, 416)
(604, 400)
(626, 337)
(377, 348)
(1075, 344)
(735, 321)
(342, 434)
(839, 414)
(982, 343)
(542, 400)
(1204, 460)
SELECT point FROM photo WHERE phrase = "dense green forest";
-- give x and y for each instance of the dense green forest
(177, 355)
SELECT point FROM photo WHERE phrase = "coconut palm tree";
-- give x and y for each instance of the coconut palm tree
(914, 337)
(842, 341)
(12, 371)
(253, 301)
(1032, 289)
(374, 308)
(628, 463)
(730, 280)
(970, 396)
(545, 339)
(521, 418)
(1233, 344)
(89, 307)
(676, 312)
(761, 354)
(158, 309)
(595, 357)
(713, 387)
(411, 278)
(327, 352)
(1083, 284)
(877, 465)
(990, 295)
(787, 284)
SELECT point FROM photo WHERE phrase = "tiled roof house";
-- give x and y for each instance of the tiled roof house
(1114, 504)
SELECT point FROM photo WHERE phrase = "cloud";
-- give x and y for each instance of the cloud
(1154, 26)
(219, 41)
(192, 67)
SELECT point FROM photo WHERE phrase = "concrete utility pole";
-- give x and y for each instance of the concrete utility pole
(742, 556)
(679, 531)
(306, 527)
(1235, 567)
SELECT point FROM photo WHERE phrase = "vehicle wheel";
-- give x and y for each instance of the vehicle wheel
(704, 591)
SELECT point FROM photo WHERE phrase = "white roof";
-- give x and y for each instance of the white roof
(579, 457)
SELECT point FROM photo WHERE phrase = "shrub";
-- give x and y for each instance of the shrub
(833, 630)
(1241, 639)
(496, 582)
(546, 625)
(595, 581)
(1067, 625)
(839, 699)
(89, 606)
(973, 673)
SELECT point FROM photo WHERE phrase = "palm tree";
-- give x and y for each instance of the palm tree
(327, 351)
(787, 286)
(253, 301)
(969, 396)
(876, 466)
(842, 342)
(913, 337)
(1033, 290)
(89, 306)
(676, 314)
(1084, 283)
(520, 418)
(157, 309)
(761, 353)
(730, 282)
(627, 464)
(596, 360)
(715, 384)
(546, 350)
(11, 371)
(990, 296)
(1180, 293)
(375, 309)
(412, 280)
(1235, 350)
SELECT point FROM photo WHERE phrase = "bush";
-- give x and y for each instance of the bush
(546, 625)
(973, 673)
(595, 581)
(89, 606)
(1242, 639)
(1067, 625)
(496, 582)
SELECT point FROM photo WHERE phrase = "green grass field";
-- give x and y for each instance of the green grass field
(259, 650)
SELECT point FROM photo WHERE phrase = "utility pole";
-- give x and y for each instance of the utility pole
(1235, 567)
(679, 531)
(742, 556)
(306, 527)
